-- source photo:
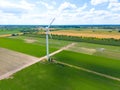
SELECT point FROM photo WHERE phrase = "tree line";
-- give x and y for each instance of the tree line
(103, 41)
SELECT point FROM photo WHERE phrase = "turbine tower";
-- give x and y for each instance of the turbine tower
(47, 41)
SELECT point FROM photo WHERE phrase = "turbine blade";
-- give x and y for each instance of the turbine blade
(49, 34)
(51, 22)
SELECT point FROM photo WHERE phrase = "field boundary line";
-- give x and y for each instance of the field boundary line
(8, 74)
(88, 70)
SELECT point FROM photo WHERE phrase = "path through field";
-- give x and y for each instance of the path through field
(12, 62)
(90, 71)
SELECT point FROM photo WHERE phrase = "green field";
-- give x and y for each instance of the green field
(109, 51)
(39, 44)
(50, 76)
(42, 41)
(95, 49)
(21, 46)
(2, 32)
(95, 63)
(36, 48)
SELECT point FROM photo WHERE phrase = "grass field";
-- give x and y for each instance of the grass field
(81, 47)
(95, 63)
(42, 41)
(96, 49)
(49, 76)
(35, 48)
(21, 46)
(2, 32)
(89, 33)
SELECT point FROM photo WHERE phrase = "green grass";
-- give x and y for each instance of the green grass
(98, 64)
(8, 32)
(109, 51)
(21, 46)
(42, 41)
(37, 48)
(49, 76)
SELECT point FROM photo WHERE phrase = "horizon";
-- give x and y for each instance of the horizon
(59, 24)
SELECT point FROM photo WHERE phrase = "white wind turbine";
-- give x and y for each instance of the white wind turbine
(47, 41)
(48, 31)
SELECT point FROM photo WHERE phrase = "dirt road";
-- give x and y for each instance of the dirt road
(19, 61)
(90, 71)
(12, 62)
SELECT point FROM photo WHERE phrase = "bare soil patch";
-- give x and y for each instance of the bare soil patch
(30, 40)
(11, 61)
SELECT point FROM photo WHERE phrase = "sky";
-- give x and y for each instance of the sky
(66, 12)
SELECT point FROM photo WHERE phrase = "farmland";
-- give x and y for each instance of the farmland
(103, 59)
(11, 62)
(89, 33)
(52, 76)
(95, 63)
(81, 47)
(21, 46)
(97, 50)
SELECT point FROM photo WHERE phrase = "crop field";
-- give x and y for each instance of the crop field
(54, 76)
(81, 47)
(99, 64)
(2, 32)
(89, 33)
(42, 41)
(97, 50)
(51, 76)
(23, 47)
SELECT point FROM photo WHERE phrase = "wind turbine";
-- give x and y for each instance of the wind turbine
(47, 41)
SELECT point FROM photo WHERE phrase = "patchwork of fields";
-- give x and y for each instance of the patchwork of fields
(55, 76)
(50, 76)
(23, 47)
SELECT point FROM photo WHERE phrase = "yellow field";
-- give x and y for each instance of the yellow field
(86, 33)
(8, 35)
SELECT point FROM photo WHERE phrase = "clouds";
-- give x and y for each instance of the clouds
(21, 6)
(41, 12)
(67, 6)
(96, 2)
(114, 5)
(47, 5)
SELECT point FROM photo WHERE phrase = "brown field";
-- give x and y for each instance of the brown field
(5, 35)
(11, 61)
(97, 34)
(8, 35)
